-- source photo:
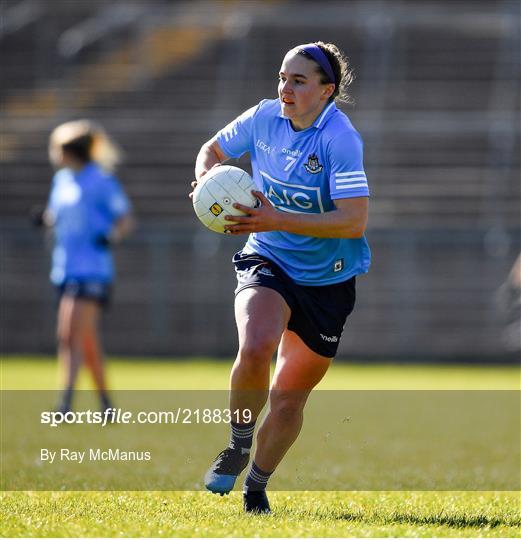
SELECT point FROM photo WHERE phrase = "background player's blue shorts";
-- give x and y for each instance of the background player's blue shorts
(98, 291)
(318, 314)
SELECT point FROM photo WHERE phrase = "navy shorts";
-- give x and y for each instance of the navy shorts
(88, 289)
(318, 314)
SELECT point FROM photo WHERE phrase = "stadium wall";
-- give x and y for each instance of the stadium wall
(436, 101)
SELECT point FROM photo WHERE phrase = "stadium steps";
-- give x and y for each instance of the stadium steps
(428, 160)
(25, 51)
(437, 283)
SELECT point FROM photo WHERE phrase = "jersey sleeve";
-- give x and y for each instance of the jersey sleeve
(235, 139)
(116, 203)
(347, 176)
(62, 188)
(51, 205)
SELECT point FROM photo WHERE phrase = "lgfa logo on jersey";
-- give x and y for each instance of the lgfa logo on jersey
(313, 166)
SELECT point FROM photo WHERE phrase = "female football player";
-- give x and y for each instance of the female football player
(89, 213)
(296, 273)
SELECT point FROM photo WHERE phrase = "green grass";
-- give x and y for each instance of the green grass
(296, 514)
(32, 373)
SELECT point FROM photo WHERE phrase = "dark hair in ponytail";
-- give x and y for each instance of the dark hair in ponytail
(341, 68)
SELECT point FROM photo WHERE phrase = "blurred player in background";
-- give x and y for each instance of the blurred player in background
(89, 213)
(509, 303)
(296, 273)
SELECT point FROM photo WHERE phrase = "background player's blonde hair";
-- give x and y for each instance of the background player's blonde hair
(87, 139)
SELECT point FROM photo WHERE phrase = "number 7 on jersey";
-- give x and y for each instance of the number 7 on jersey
(291, 162)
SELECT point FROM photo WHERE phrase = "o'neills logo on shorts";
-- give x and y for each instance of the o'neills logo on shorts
(265, 271)
(329, 339)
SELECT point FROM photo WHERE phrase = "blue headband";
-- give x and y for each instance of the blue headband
(320, 58)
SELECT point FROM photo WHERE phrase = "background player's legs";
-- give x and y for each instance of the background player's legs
(298, 371)
(70, 345)
(93, 352)
(261, 316)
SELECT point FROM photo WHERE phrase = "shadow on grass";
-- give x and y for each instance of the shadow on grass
(458, 522)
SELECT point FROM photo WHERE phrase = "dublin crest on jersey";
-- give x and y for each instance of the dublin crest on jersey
(313, 166)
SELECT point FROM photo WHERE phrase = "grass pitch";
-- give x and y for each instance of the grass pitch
(295, 514)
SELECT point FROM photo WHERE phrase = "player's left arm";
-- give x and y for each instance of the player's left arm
(117, 205)
(349, 193)
(122, 227)
(348, 220)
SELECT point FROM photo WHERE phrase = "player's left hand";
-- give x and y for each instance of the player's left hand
(261, 219)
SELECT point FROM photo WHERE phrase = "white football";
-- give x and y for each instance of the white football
(216, 193)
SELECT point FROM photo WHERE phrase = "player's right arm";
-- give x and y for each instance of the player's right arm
(231, 141)
(45, 216)
(210, 155)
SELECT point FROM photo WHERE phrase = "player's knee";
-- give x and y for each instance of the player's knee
(66, 342)
(287, 408)
(257, 350)
(69, 337)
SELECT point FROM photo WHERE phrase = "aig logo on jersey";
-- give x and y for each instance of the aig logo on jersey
(290, 197)
(313, 166)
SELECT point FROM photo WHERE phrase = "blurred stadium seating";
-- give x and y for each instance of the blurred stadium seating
(437, 102)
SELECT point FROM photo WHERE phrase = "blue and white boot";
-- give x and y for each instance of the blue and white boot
(226, 467)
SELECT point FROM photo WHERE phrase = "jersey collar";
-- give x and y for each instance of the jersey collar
(321, 119)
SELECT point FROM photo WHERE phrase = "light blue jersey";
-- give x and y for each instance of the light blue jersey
(303, 171)
(85, 205)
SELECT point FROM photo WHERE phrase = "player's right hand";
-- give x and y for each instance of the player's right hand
(194, 183)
